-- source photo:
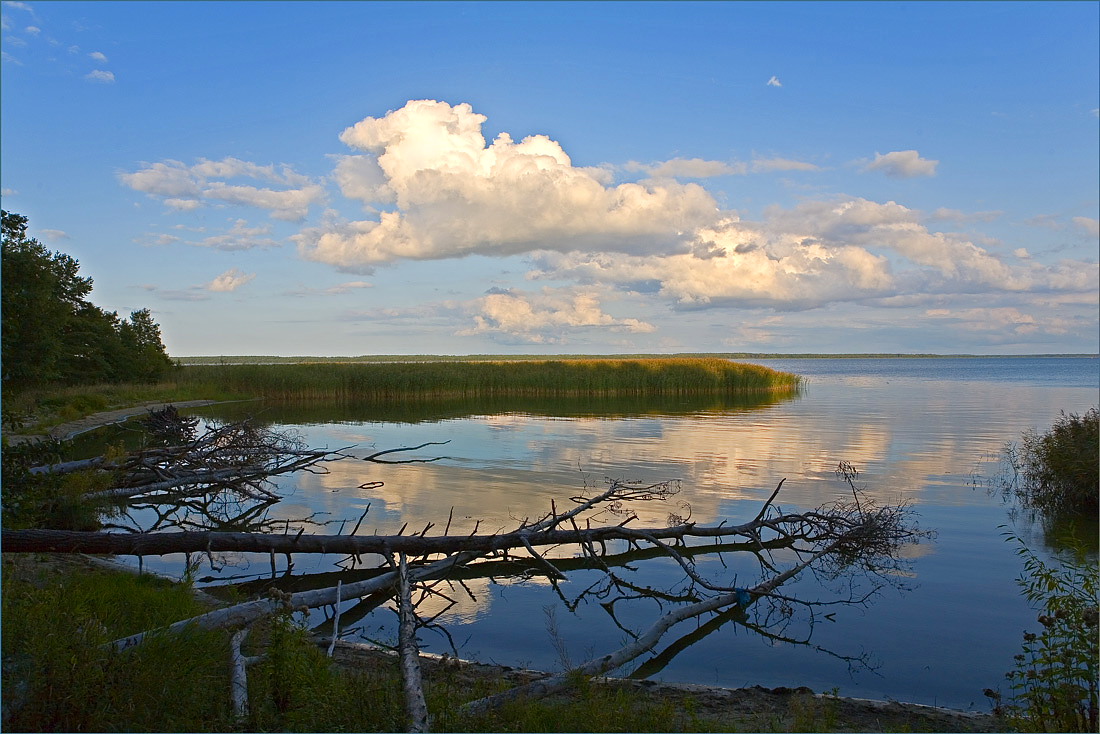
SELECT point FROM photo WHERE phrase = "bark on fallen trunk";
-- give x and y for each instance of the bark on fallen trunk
(153, 544)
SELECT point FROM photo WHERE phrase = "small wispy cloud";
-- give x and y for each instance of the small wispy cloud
(100, 76)
(229, 281)
(54, 235)
(765, 165)
(1047, 221)
(98, 56)
(240, 237)
(1087, 225)
(335, 290)
(688, 168)
(183, 188)
(194, 293)
(701, 168)
(347, 287)
(152, 239)
(956, 215)
(774, 82)
(9, 192)
(902, 164)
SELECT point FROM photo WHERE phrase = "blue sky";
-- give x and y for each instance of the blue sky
(459, 178)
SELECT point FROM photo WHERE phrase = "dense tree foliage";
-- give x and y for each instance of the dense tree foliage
(51, 333)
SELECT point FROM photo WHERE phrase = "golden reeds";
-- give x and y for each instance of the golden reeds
(543, 378)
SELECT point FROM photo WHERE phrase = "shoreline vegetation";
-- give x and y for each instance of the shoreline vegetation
(40, 410)
(387, 381)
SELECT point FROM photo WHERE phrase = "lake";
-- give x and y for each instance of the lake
(924, 431)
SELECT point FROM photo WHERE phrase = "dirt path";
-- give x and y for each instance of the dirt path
(66, 431)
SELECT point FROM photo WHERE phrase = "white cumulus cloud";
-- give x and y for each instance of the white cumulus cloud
(454, 195)
(774, 82)
(229, 281)
(544, 317)
(101, 76)
(819, 252)
(98, 56)
(902, 164)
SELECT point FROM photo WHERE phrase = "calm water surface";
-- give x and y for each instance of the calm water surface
(918, 430)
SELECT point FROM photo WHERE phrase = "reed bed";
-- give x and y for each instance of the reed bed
(383, 382)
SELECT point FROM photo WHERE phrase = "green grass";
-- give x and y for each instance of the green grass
(364, 382)
(57, 675)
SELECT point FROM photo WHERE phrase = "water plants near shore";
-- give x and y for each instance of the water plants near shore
(1058, 472)
(391, 381)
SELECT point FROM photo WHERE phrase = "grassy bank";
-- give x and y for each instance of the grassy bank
(392, 381)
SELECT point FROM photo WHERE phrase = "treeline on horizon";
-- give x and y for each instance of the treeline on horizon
(405, 358)
(348, 382)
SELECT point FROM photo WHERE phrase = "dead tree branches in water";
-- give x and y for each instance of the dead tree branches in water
(843, 539)
(238, 456)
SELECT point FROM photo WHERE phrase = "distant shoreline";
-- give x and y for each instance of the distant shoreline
(271, 359)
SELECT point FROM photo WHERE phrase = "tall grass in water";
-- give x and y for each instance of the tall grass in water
(1060, 469)
(392, 381)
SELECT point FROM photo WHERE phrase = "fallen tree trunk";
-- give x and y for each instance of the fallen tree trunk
(805, 526)
(247, 612)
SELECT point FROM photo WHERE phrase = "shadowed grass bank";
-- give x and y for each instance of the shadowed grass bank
(558, 378)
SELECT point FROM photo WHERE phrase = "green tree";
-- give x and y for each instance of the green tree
(41, 292)
(141, 344)
(51, 333)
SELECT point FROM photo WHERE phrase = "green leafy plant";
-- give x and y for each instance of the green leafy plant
(1054, 684)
